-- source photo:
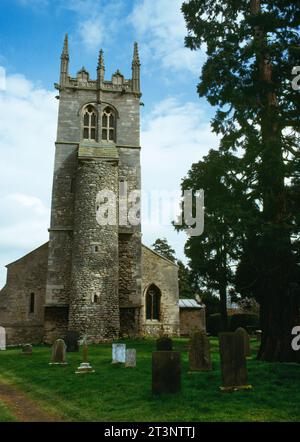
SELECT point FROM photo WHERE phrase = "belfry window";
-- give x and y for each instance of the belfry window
(108, 125)
(89, 123)
(153, 296)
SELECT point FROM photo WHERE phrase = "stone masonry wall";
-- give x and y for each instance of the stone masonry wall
(164, 274)
(25, 276)
(191, 319)
(95, 256)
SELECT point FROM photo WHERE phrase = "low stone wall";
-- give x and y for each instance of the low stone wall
(191, 319)
(24, 334)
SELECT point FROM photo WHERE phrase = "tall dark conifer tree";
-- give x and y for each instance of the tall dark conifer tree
(252, 46)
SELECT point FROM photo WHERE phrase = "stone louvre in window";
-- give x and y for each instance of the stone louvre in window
(89, 123)
(108, 125)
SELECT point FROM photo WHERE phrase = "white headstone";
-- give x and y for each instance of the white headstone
(130, 358)
(118, 353)
(2, 338)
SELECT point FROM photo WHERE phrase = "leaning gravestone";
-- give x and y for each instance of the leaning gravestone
(246, 340)
(199, 354)
(58, 353)
(72, 341)
(233, 362)
(130, 358)
(2, 338)
(118, 353)
(166, 372)
(164, 343)
(27, 350)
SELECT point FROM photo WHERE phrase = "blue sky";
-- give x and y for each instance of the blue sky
(175, 122)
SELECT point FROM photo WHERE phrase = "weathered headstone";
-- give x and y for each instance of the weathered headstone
(72, 341)
(118, 353)
(58, 353)
(27, 349)
(166, 372)
(233, 362)
(246, 340)
(199, 354)
(130, 358)
(85, 366)
(164, 343)
(2, 338)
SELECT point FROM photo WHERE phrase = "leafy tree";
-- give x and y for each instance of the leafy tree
(211, 302)
(186, 287)
(162, 247)
(212, 256)
(252, 46)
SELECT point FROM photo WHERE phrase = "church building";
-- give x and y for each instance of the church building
(94, 278)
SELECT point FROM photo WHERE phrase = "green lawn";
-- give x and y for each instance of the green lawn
(5, 415)
(116, 393)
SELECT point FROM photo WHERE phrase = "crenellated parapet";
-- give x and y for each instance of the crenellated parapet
(118, 82)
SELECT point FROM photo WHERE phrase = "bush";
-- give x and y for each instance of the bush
(244, 320)
(239, 320)
(214, 324)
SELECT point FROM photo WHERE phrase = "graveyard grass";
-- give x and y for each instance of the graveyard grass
(116, 393)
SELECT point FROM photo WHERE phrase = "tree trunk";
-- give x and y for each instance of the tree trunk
(278, 318)
(279, 304)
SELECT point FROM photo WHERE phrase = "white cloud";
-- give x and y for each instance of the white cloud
(174, 135)
(27, 135)
(25, 222)
(98, 22)
(92, 33)
(161, 28)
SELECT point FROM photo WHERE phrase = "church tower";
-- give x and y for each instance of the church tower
(94, 269)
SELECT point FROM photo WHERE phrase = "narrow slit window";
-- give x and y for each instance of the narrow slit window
(89, 123)
(108, 125)
(32, 303)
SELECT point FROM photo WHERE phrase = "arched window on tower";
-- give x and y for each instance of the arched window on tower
(153, 297)
(89, 123)
(108, 125)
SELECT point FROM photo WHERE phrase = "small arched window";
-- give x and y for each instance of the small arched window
(89, 123)
(95, 299)
(153, 296)
(108, 125)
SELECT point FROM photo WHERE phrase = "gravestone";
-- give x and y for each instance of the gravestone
(2, 338)
(164, 343)
(27, 349)
(118, 353)
(233, 362)
(58, 353)
(72, 341)
(166, 372)
(130, 358)
(85, 366)
(199, 354)
(246, 340)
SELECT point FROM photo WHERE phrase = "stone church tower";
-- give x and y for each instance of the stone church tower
(94, 271)
(96, 278)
